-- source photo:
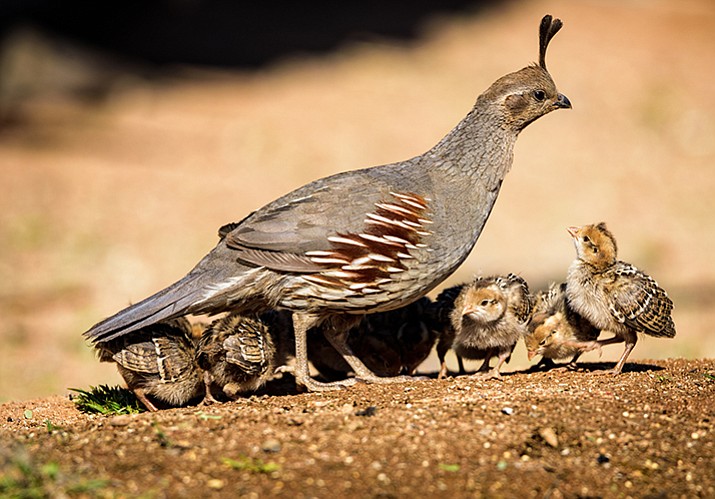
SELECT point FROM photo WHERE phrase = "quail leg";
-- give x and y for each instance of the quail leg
(630, 338)
(208, 397)
(144, 400)
(362, 372)
(441, 352)
(460, 363)
(301, 324)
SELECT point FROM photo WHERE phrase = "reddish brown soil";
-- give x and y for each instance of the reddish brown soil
(646, 433)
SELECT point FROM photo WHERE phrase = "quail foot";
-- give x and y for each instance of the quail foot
(614, 295)
(157, 362)
(407, 226)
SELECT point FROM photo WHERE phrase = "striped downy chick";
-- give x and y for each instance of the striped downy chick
(239, 353)
(488, 317)
(614, 295)
(157, 362)
(556, 331)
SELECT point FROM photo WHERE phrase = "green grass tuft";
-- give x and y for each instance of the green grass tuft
(107, 400)
(252, 465)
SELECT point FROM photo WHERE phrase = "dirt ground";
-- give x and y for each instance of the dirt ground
(106, 201)
(646, 433)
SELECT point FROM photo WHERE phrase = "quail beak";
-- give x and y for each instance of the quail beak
(573, 231)
(562, 102)
(530, 354)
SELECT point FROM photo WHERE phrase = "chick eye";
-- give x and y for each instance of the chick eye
(586, 239)
(485, 303)
(542, 342)
(539, 95)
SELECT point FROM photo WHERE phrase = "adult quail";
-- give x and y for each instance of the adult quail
(614, 295)
(486, 319)
(556, 330)
(366, 240)
(239, 353)
(157, 362)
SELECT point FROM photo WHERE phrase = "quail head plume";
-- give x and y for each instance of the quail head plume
(556, 331)
(362, 241)
(487, 318)
(157, 362)
(614, 295)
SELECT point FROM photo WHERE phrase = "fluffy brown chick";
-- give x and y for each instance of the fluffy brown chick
(614, 295)
(486, 319)
(157, 362)
(556, 331)
(240, 353)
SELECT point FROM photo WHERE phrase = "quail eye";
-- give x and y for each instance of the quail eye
(539, 95)
(542, 342)
(586, 239)
(485, 303)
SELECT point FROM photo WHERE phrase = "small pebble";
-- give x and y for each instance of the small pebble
(549, 436)
(508, 411)
(121, 420)
(602, 459)
(368, 411)
(215, 484)
(271, 445)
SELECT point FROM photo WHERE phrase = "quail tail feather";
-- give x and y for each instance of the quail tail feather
(169, 303)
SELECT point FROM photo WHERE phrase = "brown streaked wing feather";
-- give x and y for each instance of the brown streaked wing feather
(640, 303)
(246, 352)
(138, 357)
(175, 357)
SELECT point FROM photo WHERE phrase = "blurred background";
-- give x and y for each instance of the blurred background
(129, 133)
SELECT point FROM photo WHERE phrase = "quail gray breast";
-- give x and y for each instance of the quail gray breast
(157, 362)
(362, 241)
(614, 295)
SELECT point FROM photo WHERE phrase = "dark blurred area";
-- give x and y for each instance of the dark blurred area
(85, 49)
(222, 33)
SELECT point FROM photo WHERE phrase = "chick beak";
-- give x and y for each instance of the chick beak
(573, 231)
(562, 102)
(530, 354)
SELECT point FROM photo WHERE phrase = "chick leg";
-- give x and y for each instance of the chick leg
(208, 396)
(630, 338)
(144, 400)
(443, 346)
(460, 363)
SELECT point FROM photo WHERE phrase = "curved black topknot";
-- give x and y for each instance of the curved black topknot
(549, 27)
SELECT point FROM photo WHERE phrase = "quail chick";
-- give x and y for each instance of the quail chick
(487, 318)
(157, 362)
(556, 331)
(240, 353)
(614, 295)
